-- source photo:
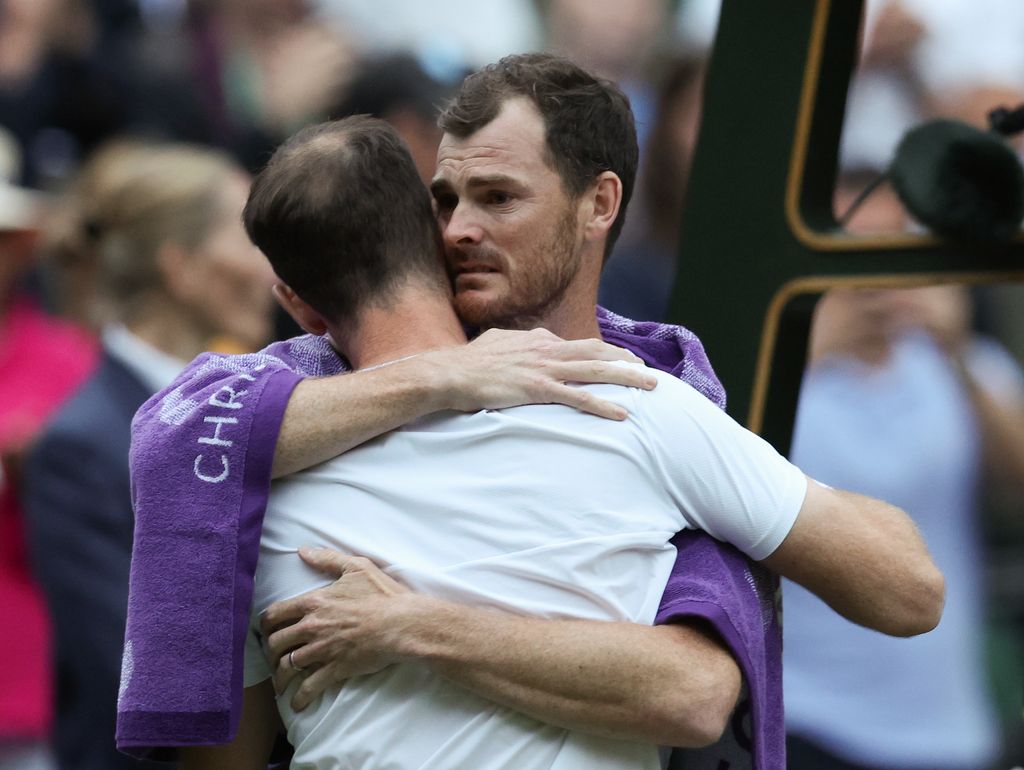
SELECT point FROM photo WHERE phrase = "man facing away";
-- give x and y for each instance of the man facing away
(525, 242)
(536, 510)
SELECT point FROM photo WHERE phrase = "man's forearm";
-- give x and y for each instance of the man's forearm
(865, 559)
(328, 416)
(669, 685)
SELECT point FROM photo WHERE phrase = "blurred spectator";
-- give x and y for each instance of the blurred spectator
(617, 40)
(638, 279)
(63, 80)
(448, 36)
(175, 265)
(263, 69)
(696, 23)
(71, 265)
(236, 74)
(920, 59)
(41, 361)
(923, 59)
(396, 88)
(903, 402)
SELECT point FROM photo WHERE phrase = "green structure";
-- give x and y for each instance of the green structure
(760, 242)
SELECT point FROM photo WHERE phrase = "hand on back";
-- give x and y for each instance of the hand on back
(503, 368)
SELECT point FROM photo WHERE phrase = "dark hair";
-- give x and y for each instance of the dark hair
(388, 83)
(588, 122)
(343, 216)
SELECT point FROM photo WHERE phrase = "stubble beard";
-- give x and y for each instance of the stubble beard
(537, 288)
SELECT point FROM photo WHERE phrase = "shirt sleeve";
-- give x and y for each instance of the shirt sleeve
(256, 667)
(724, 479)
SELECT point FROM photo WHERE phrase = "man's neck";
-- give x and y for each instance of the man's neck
(575, 317)
(572, 322)
(415, 322)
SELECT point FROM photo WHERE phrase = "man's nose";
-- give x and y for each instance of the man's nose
(461, 227)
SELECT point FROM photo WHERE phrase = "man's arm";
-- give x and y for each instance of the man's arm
(865, 559)
(202, 450)
(671, 685)
(250, 750)
(862, 556)
(326, 417)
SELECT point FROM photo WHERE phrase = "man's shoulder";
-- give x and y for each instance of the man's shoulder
(673, 410)
(672, 392)
(671, 403)
(304, 356)
(307, 355)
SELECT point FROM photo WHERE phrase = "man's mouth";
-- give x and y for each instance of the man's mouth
(474, 267)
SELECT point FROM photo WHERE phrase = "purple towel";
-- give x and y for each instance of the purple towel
(201, 457)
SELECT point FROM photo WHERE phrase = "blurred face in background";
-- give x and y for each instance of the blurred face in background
(607, 36)
(862, 322)
(230, 279)
(269, 15)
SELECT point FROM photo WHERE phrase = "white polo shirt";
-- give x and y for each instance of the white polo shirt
(537, 510)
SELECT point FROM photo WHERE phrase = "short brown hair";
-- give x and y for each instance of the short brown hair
(589, 125)
(342, 215)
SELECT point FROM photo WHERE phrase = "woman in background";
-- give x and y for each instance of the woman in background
(176, 275)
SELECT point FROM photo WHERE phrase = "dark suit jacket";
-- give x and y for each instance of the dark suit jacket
(80, 522)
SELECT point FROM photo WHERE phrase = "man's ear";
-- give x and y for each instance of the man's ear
(604, 198)
(304, 315)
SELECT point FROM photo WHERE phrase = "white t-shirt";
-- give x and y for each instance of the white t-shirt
(537, 510)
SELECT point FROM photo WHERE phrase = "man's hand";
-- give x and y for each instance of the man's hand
(502, 368)
(335, 632)
(673, 685)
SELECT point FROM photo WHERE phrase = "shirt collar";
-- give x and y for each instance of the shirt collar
(155, 368)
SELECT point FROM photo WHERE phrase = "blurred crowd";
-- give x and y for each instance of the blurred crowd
(128, 133)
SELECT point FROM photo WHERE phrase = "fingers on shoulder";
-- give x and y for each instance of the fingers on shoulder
(605, 372)
(586, 401)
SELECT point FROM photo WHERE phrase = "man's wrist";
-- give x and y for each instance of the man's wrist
(419, 625)
(441, 383)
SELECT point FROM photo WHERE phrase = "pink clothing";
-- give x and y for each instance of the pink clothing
(42, 361)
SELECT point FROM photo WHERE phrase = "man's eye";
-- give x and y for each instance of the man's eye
(445, 202)
(498, 198)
